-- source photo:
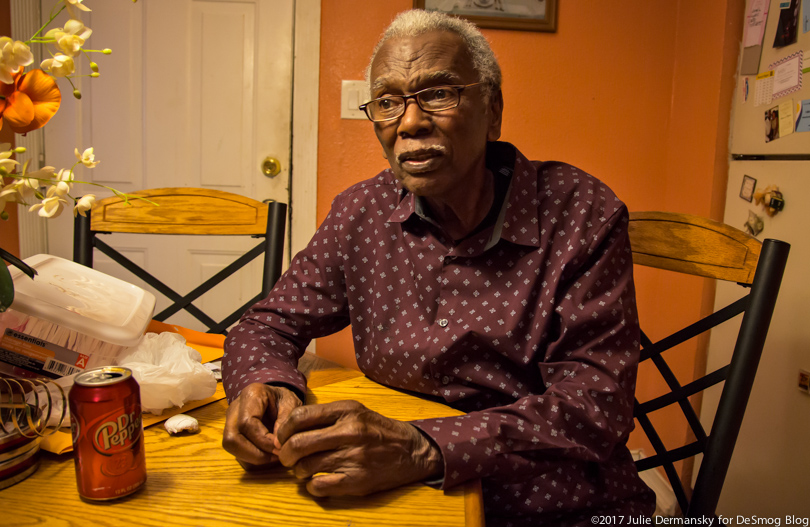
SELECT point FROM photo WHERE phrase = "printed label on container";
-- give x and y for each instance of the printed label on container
(39, 356)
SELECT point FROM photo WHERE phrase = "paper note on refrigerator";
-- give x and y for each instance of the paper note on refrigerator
(805, 16)
(755, 23)
(786, 118)
(787, 74)
(803, 120)
(764, 88)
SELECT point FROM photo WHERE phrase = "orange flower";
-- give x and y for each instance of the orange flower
(29, 102)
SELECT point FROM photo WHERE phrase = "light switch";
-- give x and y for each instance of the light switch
(352, 95)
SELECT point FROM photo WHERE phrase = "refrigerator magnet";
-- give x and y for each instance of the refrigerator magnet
(754, 225)
(749, 184)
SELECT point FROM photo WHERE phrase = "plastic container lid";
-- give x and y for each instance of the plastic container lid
(83, 299)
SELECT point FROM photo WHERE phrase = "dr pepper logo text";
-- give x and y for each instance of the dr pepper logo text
(115, 433)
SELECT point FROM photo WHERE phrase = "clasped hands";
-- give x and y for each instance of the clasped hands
(343, 448)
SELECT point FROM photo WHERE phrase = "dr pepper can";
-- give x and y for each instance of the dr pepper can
(105, 420)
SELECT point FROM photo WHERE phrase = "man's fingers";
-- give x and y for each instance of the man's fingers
(244, 450)
(328, 485)
(351, 483)
(313, 442)
(249, 420)
(242, 439)
(250, 467)
(254, 429)
(285, 404)
(340, 460)
(313, 417)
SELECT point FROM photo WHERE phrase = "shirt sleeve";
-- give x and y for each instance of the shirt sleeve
(307, 302)
(588, 370)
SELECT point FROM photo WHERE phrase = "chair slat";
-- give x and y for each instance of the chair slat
(693, 245)
(181, 211)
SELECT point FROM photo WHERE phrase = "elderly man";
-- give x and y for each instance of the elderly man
(501, 286)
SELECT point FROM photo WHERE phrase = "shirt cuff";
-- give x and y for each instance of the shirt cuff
(437, 481)
(468, 450)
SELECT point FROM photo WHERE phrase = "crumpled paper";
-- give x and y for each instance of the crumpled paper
(169, 372)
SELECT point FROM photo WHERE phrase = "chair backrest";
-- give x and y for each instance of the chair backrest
(193, 211)
(702, 247)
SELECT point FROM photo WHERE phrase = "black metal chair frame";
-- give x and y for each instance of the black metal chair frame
(717, 446)
(85, 239)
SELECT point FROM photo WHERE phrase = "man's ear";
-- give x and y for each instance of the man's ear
(495, 116)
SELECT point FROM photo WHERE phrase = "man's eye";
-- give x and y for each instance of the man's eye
(440, 94)
(386, 104)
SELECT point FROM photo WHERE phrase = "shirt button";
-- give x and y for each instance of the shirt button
(443, 322)
(445, 380)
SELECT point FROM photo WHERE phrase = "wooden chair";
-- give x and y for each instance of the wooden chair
(193, 211)
(702, 247)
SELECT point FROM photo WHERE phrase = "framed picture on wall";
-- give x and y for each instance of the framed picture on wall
(526, 15)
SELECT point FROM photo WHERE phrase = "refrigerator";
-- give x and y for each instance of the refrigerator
(769, 476)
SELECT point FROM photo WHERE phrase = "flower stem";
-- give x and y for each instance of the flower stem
(53, 16)
(123, 195)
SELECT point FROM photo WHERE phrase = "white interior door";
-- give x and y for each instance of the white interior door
(196, 93)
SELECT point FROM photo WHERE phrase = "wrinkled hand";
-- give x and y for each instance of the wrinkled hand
(353, 450)
(252, 420)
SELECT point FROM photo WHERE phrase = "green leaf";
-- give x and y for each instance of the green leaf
(6, 288)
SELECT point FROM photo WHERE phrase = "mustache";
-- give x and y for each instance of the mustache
(428, 151)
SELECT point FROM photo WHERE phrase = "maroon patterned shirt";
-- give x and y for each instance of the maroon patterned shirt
(529, 326)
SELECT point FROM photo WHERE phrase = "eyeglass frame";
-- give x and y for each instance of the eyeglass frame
(415, 97)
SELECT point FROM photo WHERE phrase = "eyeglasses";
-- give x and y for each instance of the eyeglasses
(434, 99)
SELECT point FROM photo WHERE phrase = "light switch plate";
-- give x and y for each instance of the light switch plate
(352, 95)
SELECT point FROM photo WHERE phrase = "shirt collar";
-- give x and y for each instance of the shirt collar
(521, 198)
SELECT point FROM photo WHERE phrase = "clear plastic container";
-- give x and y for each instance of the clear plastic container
(70, 318)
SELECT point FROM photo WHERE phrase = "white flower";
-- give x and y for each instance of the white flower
(62, 184)
(14, 55)
(65, 175)
(42, 173)
(8, 193)
(20, 190)
(71, 38)
(50, 207)
(59, 66)
(58, 189)
(86, 158)
(72, 5)
(6, 163)
(84, 204)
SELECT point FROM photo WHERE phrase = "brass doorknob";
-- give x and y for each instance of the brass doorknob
(271, 166)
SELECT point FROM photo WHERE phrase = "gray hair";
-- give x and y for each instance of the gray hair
(416, 22)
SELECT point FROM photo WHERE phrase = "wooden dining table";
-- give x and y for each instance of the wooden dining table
(192, 481)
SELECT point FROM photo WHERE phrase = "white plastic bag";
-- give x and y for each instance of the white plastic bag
(169, 372)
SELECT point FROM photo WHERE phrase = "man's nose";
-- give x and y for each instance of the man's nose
(415, 120)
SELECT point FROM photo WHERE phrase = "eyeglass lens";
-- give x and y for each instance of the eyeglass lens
(430, 99)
